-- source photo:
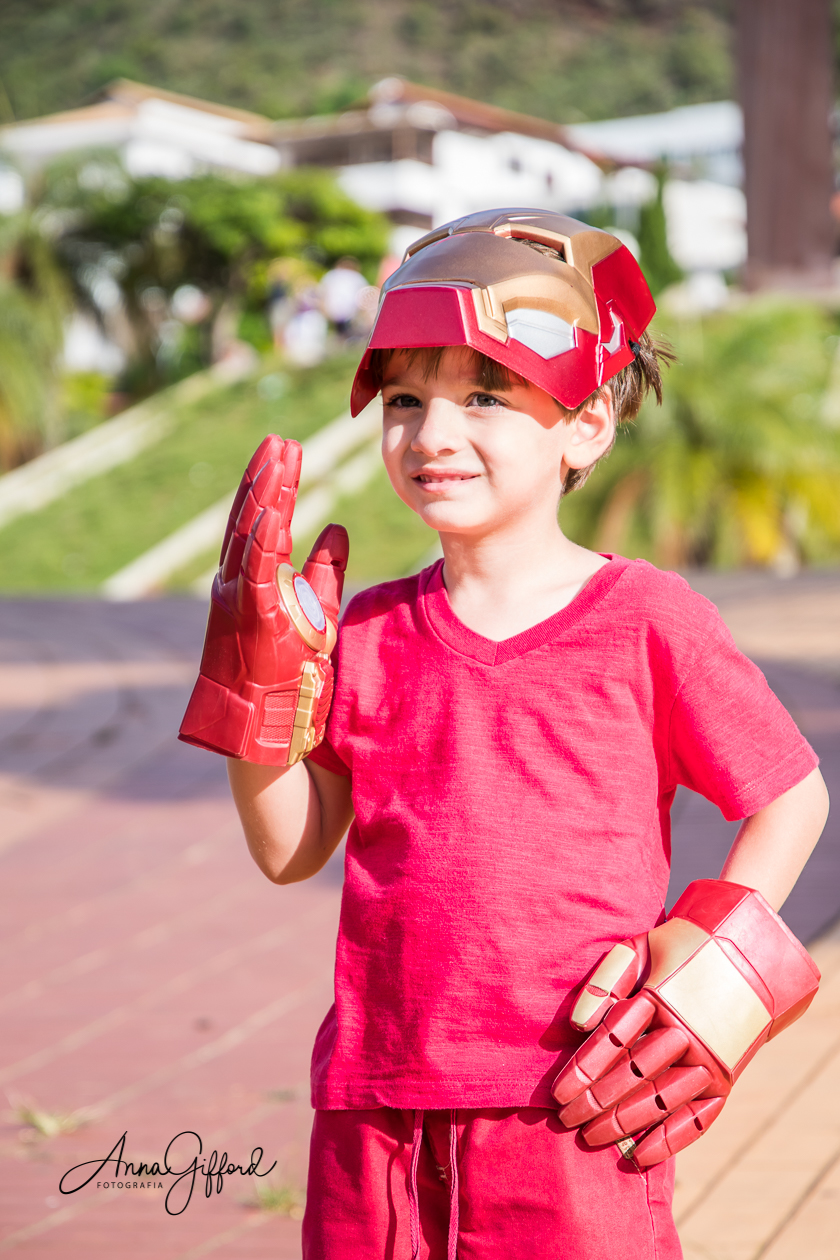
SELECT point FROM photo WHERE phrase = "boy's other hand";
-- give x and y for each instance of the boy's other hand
(723, 975)
(265, 682)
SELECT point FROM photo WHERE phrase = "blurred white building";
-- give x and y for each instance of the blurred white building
(155, 132)
(468, 173)
(699, 140)
(705, 208)
(423, 156)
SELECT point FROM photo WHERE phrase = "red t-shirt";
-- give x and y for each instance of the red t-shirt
(512, 820)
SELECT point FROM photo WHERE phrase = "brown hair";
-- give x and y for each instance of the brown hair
(489, 374)
(628, 388)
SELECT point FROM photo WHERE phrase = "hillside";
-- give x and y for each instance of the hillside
(565, 60)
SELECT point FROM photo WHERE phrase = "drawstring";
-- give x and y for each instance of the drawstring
(452, 1249)
(413, 1200)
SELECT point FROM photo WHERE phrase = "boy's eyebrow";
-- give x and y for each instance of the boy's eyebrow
(472, 380)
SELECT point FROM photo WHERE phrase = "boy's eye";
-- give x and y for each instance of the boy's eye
(486, 400)
(403, 400)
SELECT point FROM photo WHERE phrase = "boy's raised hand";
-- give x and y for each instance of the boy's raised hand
(265, 682)
(720, 977)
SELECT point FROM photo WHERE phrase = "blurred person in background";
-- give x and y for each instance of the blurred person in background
(280, 298)
(340, 290)
(365, 316)
(304, 337)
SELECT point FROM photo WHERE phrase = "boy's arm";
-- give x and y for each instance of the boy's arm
(293, 816)
(774, 844)
(265, 682)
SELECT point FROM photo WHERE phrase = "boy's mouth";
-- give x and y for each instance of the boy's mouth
(435, 476)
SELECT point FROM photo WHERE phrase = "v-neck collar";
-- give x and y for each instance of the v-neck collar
(443, 622)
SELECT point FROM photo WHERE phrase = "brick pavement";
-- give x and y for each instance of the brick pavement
(154, 982)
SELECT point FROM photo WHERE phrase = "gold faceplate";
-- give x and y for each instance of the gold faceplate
(581, 249)
(581, 245)
(564, 296)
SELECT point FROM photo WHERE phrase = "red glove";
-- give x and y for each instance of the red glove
(722, 976)
(265, 682)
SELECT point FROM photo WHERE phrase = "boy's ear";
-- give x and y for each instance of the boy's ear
(591, 432)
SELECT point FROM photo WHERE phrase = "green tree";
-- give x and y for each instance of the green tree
(741, 464)
(655, 257)
(34, 299)
(148, 237)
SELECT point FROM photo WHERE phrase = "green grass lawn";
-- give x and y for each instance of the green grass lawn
(74, 544)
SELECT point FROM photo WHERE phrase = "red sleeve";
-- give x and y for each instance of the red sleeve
(730, 739)
(327, 758)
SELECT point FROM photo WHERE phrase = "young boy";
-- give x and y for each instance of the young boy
(506, 736)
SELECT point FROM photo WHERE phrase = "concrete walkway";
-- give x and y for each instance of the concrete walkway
(154, 983)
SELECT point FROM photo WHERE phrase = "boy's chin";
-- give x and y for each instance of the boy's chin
(449, 518)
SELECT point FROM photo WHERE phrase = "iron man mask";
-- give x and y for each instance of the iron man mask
(563, 323)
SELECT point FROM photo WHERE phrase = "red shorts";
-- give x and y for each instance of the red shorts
(519, 1185)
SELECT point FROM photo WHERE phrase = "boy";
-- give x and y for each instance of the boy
(506, 736)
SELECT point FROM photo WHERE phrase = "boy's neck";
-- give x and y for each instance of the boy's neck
(501, 586)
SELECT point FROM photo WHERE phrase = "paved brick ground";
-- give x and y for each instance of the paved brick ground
(153, 982)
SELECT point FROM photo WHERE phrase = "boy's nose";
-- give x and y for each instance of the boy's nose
(439, 429)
